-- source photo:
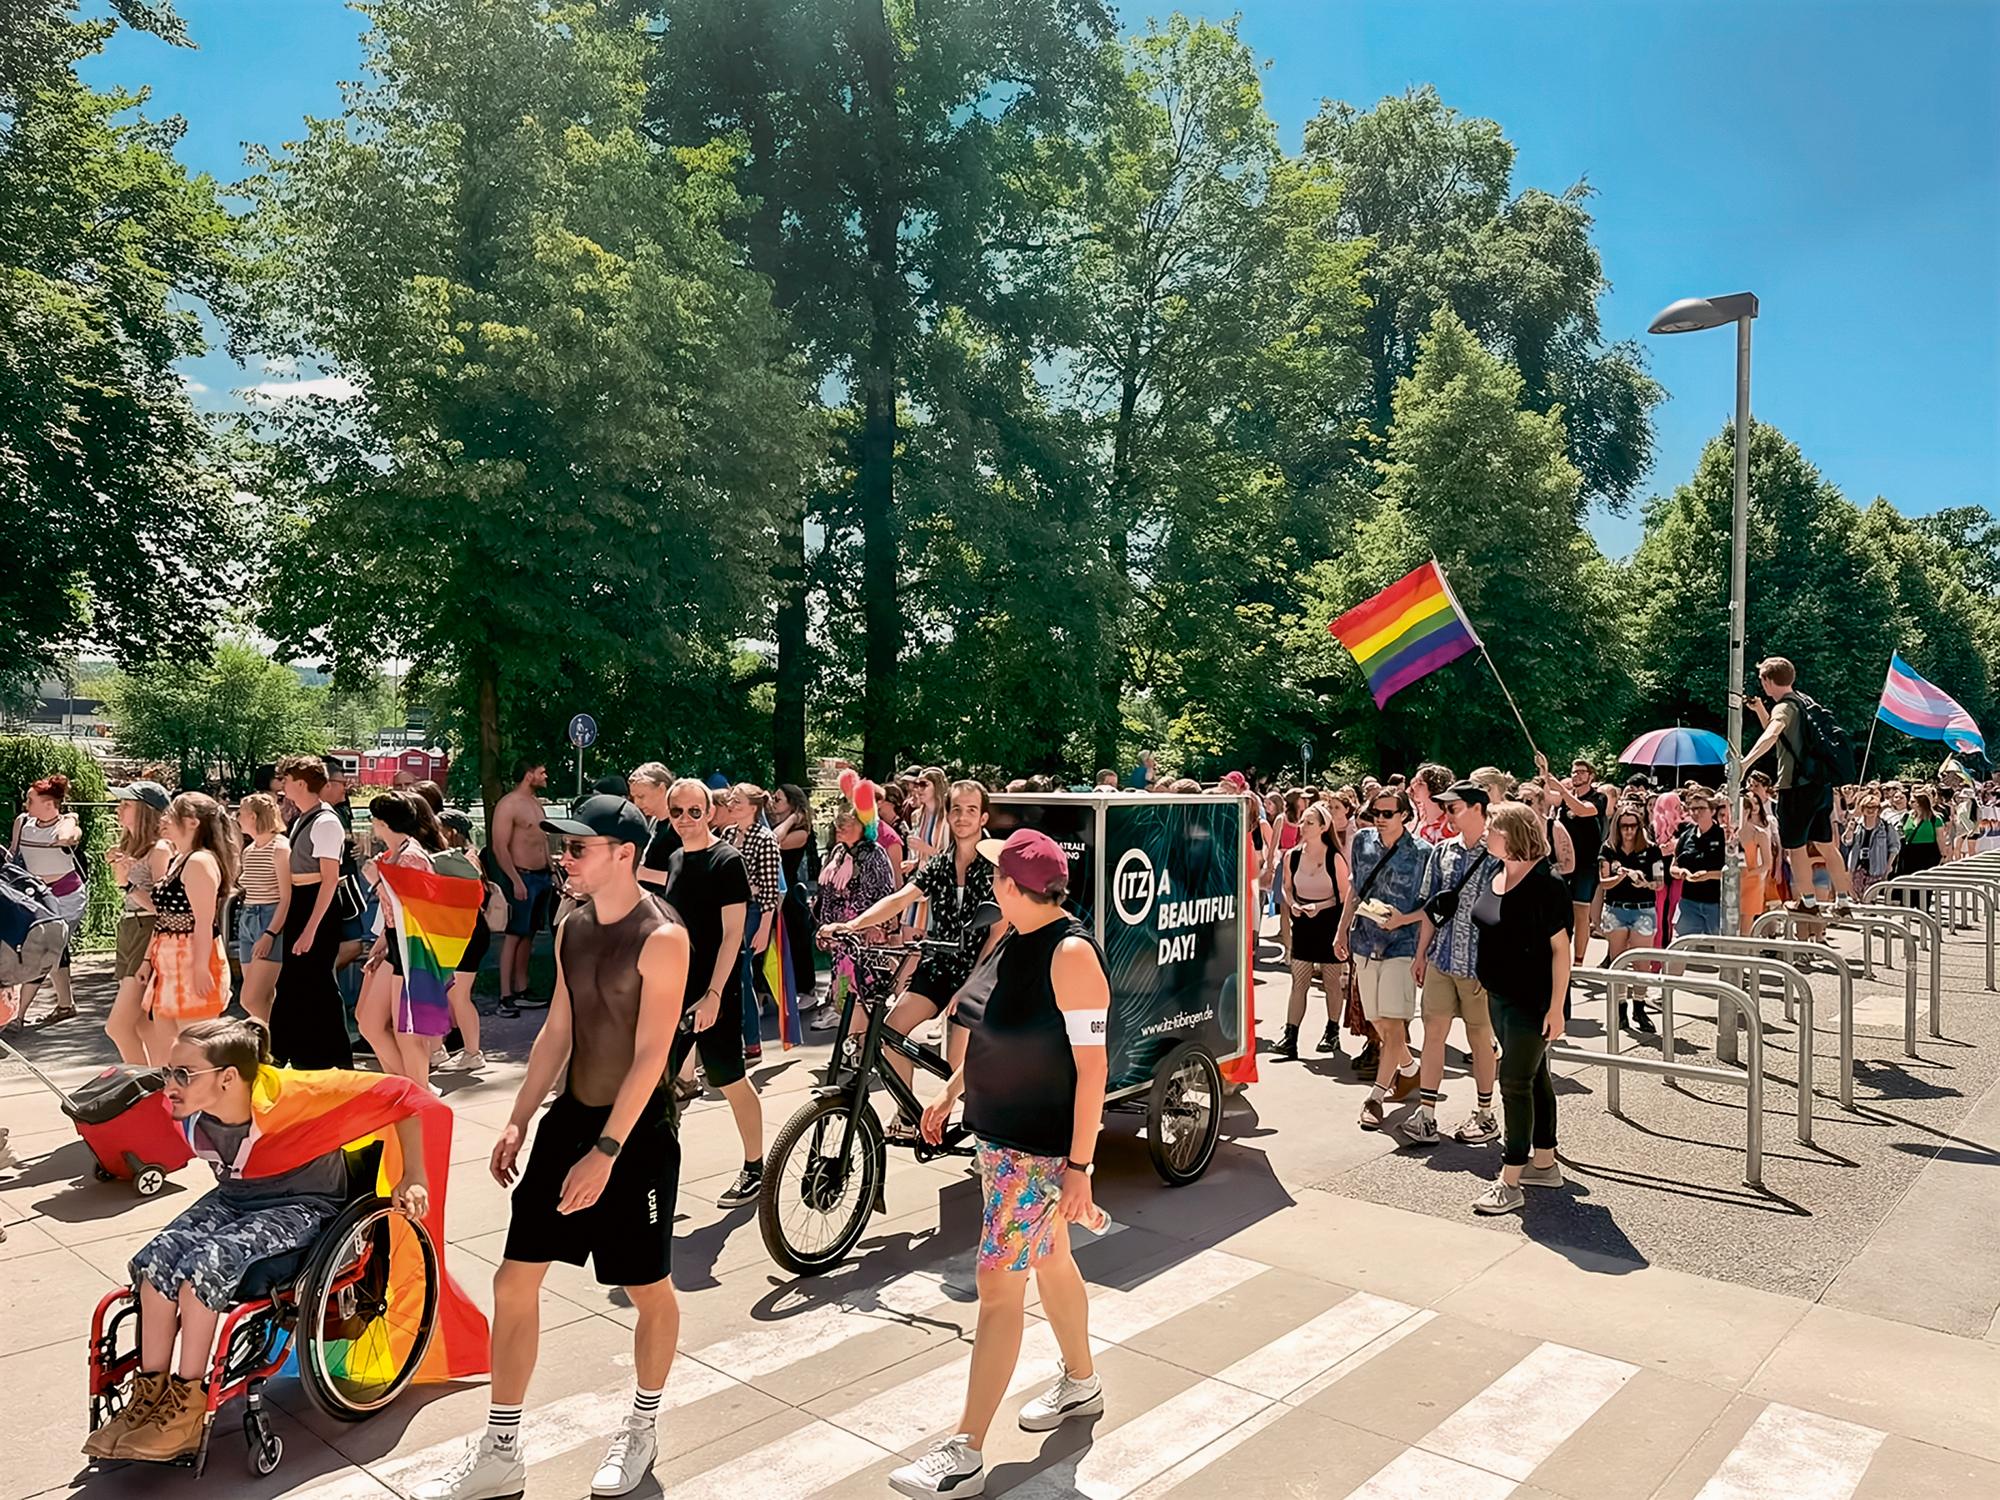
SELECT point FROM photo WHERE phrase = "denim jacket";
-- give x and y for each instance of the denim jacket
(1397, 885)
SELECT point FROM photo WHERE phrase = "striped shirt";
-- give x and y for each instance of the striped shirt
(260, 873)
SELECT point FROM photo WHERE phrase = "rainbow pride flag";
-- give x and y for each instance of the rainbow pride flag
(1924, 710)
(297, 1116)
(1407, 631)
(783, 982)
(435, 918)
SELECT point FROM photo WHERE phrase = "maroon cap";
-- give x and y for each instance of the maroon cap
(1029, 858)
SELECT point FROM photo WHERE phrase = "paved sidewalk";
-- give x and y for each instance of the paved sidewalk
(1267, 1331)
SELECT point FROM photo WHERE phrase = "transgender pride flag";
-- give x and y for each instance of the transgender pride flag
(1924, 710)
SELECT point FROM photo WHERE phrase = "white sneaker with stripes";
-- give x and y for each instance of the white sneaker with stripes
(628, 1460)
(1067, 1398)
(953, 1467)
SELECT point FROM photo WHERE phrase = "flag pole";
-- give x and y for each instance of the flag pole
(1486, 655)
(1862, 775)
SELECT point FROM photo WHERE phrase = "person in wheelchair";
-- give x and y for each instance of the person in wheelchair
(189, 1274)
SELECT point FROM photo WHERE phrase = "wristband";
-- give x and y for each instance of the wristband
(1086, 1028)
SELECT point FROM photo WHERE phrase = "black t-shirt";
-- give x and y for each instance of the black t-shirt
(1585, 830)
(1648, 861)
(1516, 963)
(661, 848)
(700, 883)
(1020, 1069)
(1701, 851)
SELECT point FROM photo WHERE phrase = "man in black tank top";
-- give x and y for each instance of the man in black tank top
(599, 1185)
(1036, 1013)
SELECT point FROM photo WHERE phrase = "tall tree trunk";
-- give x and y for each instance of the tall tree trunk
(492, 778)
(788, 715)
(1111, 670)
(882, 218)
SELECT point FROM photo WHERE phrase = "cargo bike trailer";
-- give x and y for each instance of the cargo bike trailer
(1163, 882)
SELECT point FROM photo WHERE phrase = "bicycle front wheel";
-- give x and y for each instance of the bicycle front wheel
(817, 1197)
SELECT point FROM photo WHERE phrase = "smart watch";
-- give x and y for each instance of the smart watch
(609, 1145)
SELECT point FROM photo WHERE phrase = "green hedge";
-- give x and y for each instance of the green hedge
(27, 758)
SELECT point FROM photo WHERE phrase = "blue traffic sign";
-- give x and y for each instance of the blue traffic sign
(583, 731)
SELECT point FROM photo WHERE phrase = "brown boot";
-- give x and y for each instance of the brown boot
(144, 1395)
(172, 1428)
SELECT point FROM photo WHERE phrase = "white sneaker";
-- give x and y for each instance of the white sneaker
(469, 1062)
(823, 1018)
(953, 1467)
(485, 1473)
(1499, 1199)
(1065, 1399)
(628, 1460)
(1479, 1128)
(1422, 1129)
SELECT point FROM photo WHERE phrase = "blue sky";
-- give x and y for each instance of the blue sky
(1842, 160)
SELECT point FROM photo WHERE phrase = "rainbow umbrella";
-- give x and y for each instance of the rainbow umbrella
(1676, 747)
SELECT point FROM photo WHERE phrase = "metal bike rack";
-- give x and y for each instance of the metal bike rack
(1616, 983)
(1963, 887)
(1747, 971)
(1912, 926)
(1797, 956)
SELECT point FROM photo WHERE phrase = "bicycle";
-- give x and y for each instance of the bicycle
(825, 1171)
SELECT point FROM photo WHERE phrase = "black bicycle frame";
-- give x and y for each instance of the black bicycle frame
(868, 1060)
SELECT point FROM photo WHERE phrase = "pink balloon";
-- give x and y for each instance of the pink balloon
(864, 799)
(849, 778)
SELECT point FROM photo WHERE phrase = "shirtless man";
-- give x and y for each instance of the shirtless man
(522, 850)
(599, 1185)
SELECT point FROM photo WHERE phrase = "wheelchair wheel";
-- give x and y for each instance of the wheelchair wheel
(367, 1308)
(815, 1205)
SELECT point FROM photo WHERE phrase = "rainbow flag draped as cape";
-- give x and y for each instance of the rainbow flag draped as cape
(1924, 710)
(298, 1116)
(1407, 631)
(435, 916)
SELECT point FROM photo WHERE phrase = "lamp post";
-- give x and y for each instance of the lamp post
(1690, 315)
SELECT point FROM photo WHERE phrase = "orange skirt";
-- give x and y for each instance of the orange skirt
(1752, 900)
(170, 994)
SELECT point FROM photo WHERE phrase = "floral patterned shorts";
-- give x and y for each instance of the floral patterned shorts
(1018, 1226)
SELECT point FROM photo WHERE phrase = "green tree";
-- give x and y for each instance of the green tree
(1483, 483)
(1213, 311)
(235, 712)
(26, 759)
(124, 521)
(903, 162)
(573, 420)
(1820, 591)
(1432, 192)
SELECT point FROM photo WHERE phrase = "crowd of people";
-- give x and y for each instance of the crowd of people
(1413, 902)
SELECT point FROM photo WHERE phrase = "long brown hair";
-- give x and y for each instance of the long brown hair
(212, 833)
(137, 843)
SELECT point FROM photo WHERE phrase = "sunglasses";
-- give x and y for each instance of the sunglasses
(1383, 814)
(676, 814)
(575, 848)
(180, 1077)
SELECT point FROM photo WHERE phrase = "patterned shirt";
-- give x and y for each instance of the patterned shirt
(1397, 885)
(952, 905)
(1455, 946)
(761, 863)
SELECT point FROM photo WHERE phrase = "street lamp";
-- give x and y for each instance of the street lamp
(1690, 315)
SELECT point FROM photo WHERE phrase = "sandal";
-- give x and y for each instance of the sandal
(60, 1013)
(686, 1091)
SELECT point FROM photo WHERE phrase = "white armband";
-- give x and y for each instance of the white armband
(1086, 1027)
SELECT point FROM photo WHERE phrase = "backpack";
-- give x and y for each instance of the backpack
(1826, 754)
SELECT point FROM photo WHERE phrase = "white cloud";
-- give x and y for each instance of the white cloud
(194, 387)
(333, 387)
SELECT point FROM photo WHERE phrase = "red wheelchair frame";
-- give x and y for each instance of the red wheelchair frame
(257, 1335)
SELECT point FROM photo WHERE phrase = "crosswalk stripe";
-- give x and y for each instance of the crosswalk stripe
(550, 1429)
(927, 1404)
(1359, 1357)
(1799, 1454)
(787, 1340)
(801, 1463)
(1417, 1475)
(1513, 1425)
(1286, 1363)
(1119, 1461)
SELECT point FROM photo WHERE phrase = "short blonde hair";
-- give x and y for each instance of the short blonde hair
(1520, 827)
(263, 810)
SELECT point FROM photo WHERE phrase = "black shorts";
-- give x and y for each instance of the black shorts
(475, 949)
(1805, 816)
(721, 1046)
(1582, 881)
(628, 1233)
(938, 982)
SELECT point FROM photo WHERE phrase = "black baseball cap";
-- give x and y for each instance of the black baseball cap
(458, 820)
(1469, 792)
(603, 817)
(149, 792)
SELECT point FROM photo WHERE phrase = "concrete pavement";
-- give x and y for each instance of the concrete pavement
(1319, 1316)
